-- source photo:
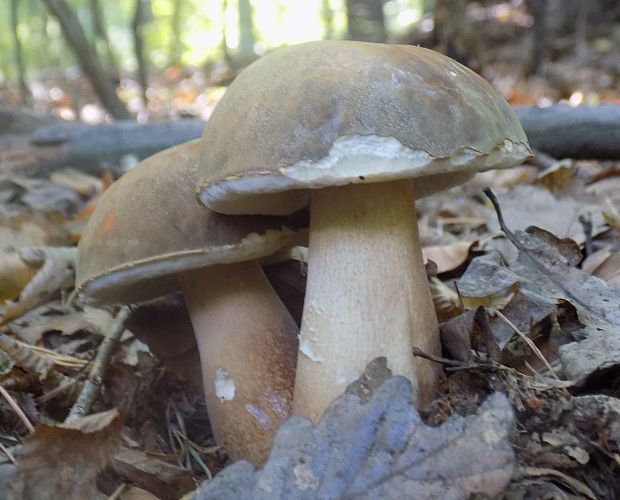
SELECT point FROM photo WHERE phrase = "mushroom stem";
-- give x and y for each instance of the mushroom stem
(367, 294)
(248, 347)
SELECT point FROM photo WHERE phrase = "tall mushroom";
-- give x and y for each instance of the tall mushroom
(368, 128)
(149, 236)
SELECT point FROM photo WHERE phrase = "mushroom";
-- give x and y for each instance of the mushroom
(149, 236)
(363, 129)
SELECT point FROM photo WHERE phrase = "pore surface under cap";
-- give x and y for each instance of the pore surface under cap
(334, 113)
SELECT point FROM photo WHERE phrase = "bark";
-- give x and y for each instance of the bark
(560, 131)
(451, 29)
(19, 54)
(101, 33)
(245, 53)
(87, 57)
(582, 132)
(327, 16)
(142, 15)
(176, 44)
(538, 10)
(365, 20)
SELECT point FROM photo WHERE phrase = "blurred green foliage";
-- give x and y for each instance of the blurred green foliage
(188, 32)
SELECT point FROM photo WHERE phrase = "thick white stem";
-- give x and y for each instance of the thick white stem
(248, 348)
(367, 294)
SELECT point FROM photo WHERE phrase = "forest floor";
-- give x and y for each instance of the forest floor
(533, 324)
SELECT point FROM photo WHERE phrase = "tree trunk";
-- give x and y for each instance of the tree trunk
(19, 54)
(327, 16)
(176, 44)
(538, 10)
(87, 57)
(101, 34)
(365, 20)
(245, 53)
(141, 16)
(451, 28)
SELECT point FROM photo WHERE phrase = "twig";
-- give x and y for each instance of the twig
(15, 407)
(118, 491)
(451, 364)
(91, 388)
(586, 223)
(528, 341)
(458, 293)
(9, 455)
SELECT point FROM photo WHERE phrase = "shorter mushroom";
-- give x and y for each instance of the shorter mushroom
(149, 236)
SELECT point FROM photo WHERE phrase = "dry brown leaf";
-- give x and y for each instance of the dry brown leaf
(558, 178)
(165, 480)
(466, 332)
(135, 493)
(30, 229)
(525, 206)
(82, 183)
(604, 264)
(56, 273)
(27, 359)
(44, 196)
(542, 270)
(447, 257)
(14, 274)
(62, 461)
(445, 300)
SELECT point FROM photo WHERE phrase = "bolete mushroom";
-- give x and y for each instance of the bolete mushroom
(149, 236)
(368, 128)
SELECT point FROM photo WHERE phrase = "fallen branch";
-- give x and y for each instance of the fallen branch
(581, 132)
(559, 131)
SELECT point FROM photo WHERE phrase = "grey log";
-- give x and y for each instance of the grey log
(560, 131)
(584, 132)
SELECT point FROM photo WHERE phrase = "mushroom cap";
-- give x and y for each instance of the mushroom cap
(337, 112)
(148, 226)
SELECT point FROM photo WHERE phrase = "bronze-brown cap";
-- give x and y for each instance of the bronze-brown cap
(148, 227)
(338, 112)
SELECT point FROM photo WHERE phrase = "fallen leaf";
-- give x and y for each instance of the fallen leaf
(557, 178)
(56, 273)
(604, 264)
(526, 205)
(468, 331)
(380, 449)
(14, 274)
(165, 480)
(62, 461)
(30, 229)
(541, 270)
(84, 184)
(447, 257)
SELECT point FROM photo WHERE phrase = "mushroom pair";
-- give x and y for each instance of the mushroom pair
(149, 236)
(358, 131)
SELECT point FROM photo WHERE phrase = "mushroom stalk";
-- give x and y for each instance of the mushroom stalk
(367, 294)
(247, 343)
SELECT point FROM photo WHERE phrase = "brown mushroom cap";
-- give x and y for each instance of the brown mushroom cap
(137, 242)
(334, 113)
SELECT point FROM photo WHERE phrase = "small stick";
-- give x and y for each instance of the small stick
(9, 455)
(91, 388)
(528, 341)
(586, 223)
(15, 407)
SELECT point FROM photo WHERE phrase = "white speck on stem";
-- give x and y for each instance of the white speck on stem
(224, 385)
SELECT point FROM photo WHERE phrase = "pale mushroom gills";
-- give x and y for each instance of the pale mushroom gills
(358, 131)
